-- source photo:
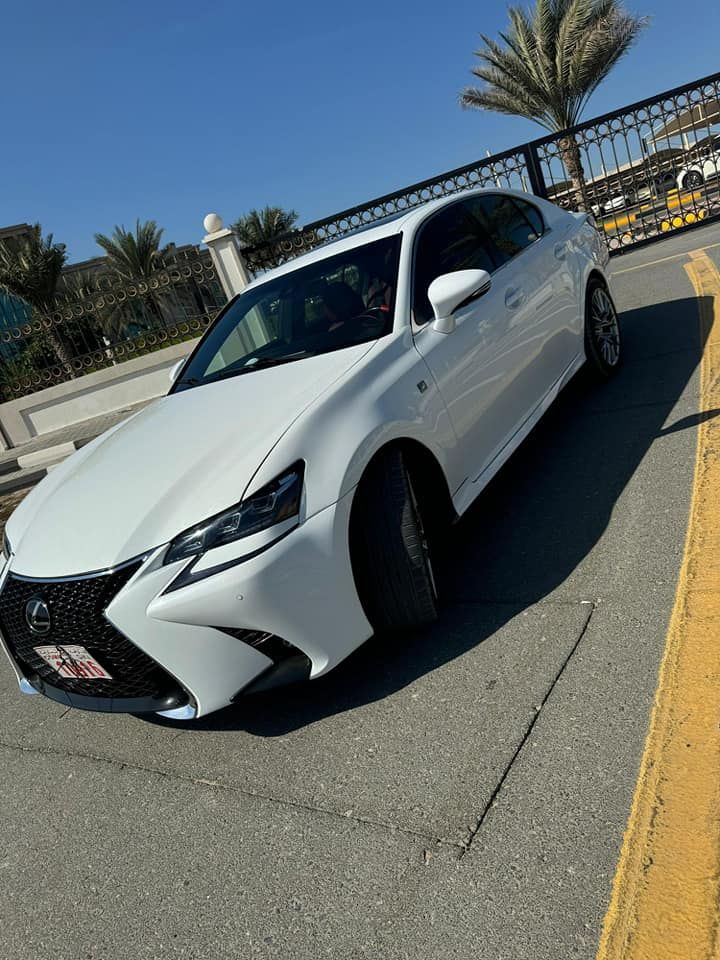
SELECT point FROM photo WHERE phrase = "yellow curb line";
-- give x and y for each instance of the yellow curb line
(664, 903)
(652, 263)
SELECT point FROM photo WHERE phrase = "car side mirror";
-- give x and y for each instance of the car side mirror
(175, 370)
(450, 291)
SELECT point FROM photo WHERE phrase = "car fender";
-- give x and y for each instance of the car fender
(388, 396)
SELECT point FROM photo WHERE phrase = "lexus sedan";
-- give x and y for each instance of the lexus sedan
(280, 504)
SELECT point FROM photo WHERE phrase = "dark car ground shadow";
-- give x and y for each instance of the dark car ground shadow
(535, 522)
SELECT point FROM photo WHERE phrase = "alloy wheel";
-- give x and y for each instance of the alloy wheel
(604, 327)
(424, 546)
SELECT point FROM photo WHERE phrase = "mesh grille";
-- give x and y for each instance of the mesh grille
(76, 612)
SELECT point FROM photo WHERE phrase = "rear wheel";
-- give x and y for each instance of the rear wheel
(693, 180)
(603, 347)
(390, 550)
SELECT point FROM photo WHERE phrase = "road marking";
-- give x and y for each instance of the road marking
(674, 256)
(664, 903)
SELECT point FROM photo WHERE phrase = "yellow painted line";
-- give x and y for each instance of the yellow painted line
(672, 201)
(616, 223)
(678, 201)
(666, 893)
(652, 263)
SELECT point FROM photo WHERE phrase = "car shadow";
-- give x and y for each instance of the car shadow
(527, 532)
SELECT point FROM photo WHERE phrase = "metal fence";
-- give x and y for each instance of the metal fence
(645, 170)
(103, 320)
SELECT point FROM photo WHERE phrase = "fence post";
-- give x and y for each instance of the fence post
(535, 174)
(229, 265)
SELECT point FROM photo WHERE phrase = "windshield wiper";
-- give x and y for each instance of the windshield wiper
(253, 364)
(260, 362)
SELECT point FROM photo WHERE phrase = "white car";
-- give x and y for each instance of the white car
(617, 202)
(275, 509)
(704, 168)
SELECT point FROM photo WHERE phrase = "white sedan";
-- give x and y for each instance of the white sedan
(705, 167)
(260, 522)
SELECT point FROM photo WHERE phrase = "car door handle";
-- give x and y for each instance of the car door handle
(514, 296)
(560, 251)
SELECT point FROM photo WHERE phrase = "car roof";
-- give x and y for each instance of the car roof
(387, 227)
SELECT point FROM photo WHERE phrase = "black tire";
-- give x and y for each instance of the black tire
(603, 340)
(693, 180)
(391, 557)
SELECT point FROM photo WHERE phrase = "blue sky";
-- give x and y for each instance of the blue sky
(169, 110)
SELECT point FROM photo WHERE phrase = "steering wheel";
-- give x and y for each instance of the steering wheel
(373, 318)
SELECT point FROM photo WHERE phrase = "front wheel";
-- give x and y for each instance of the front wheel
(693, 180)
(603, 345)
(390, 550)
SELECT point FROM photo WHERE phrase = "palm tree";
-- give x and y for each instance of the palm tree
(261, 226)
(550, 61)
(134, 256)
(30, 269)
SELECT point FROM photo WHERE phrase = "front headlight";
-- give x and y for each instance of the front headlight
(6, 548)
(275, 502)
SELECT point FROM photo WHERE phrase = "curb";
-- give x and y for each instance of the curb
(22, 478)
(30, 468)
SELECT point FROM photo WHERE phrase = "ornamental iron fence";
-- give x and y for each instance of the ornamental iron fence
(645, 171)
(648, 169)
(103, 320)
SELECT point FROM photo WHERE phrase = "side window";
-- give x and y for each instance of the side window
(533, 216)
(456, 238)
(513, 224)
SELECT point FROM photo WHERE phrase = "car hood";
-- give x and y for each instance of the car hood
(177, 462)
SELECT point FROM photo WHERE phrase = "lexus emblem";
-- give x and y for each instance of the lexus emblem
(37, 615)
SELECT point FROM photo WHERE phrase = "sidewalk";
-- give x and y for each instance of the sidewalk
(28, 463)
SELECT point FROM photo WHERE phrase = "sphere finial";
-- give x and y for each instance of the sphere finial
(213, 223)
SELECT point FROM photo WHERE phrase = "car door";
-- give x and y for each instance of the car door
(547, 332)
(476, 365)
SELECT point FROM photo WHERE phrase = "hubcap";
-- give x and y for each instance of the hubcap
(604, 327)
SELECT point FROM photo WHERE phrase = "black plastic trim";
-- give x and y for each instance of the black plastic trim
(294, 669)
(289, 665)
(170, 701)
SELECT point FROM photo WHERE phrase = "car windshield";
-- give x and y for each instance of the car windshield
(335, 303)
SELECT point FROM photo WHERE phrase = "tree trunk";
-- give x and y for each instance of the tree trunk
(570, 155)
(155, 309)
(60, 349)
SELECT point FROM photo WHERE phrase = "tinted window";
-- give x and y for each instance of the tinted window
(510, 223)
(456, 238)
(533, 215)
(329, 305)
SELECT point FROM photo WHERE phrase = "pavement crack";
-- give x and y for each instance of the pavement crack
(526, 736)
(232, 788)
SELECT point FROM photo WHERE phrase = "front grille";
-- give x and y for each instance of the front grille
(76, 616)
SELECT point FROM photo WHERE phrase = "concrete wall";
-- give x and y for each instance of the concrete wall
(104, 391)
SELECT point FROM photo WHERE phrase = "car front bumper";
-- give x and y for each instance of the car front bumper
(207, 636)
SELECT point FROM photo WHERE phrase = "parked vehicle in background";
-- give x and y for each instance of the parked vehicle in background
(282, 502)
(705, 166)
(618, 202)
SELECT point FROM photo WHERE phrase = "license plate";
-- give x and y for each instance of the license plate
(73, 662)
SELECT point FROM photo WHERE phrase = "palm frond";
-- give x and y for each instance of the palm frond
(30, 267)
(551, 59)
(133, 255)
(261, 226)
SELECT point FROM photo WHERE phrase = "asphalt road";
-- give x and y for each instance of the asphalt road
(459, 793)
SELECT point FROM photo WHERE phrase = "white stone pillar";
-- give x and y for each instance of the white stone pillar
(226, 256)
